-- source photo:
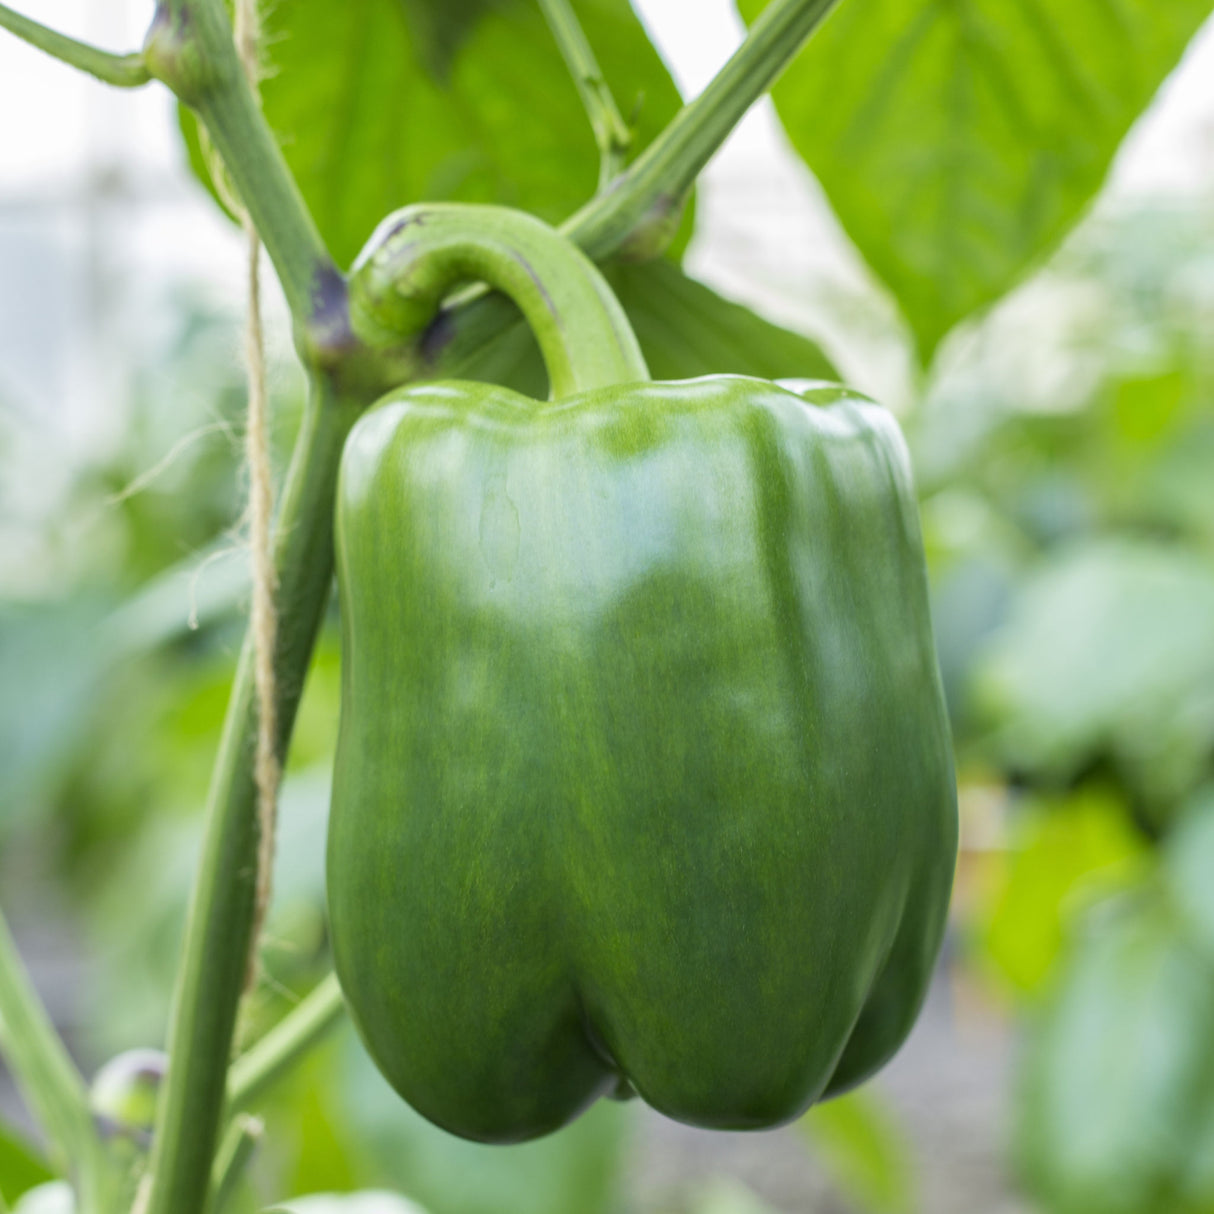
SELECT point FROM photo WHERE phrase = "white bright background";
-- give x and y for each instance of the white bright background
(100, 222)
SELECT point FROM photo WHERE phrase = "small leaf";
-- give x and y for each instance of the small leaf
(958, 142)
(1188, 861)
(1108, 653)
(53, 1198)
(686, 329)
(1062, 850)
(368, 1202)
(1115, 1094)
(864, 1151)
(728, 1197)
(20, 1167)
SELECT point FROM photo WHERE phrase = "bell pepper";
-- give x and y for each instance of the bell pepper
(644, 778)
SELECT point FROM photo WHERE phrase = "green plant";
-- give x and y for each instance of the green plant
(645, 174)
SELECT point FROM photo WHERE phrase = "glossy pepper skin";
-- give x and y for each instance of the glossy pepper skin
(644, 772)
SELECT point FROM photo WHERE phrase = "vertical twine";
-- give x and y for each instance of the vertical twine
(261, 502)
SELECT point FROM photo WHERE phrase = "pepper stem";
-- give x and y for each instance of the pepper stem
(417, 255)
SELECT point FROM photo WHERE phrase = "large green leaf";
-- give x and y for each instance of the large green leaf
(959, 139)
(378, 103)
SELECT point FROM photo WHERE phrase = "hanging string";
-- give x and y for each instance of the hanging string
(261, 503)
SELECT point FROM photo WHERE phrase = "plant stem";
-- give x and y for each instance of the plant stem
(418, 254)
(190, 48)
(666, 169)
(234, 1154)
(651, 190)
(125, 71)
(217, 933)
(611, 132)
(283, 1045)
(52, 1086)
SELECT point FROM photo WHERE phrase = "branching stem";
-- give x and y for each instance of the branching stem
(124, 71)
(612, 134)
(285, 1044)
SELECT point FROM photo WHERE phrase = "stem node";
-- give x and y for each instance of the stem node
(175, 55)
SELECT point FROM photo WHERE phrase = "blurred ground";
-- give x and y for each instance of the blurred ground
(947, 1089)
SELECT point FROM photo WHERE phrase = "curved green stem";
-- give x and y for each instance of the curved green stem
(285, 1044)
(124, 71)
(418, 254)
(50, 1082)
(611, 132)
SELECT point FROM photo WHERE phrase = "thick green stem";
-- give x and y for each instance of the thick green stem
(50, 1082)
(221, 911)
(611, 132)
(418, 254)
(284, 1044)
(125, 71)
(190, 48)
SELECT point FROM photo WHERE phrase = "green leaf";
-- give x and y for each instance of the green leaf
(20, 1168)
(55, 1197)
(52, 666)
(728, 1197)
(865, 1152)
(439, 27)
(367, 1202)
(367, 127)
(1115, 1094)
(1188, 860)
(685, 329)
(958, 141)
(1108, 653)
(1062, 853)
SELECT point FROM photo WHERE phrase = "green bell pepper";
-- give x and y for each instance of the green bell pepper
(644, 778)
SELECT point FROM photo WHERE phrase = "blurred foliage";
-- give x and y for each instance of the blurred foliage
(20, 1167)
(1064, 850)
(1116, 1110)
(958, 143)
(865, 1152)
(1066, 458)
